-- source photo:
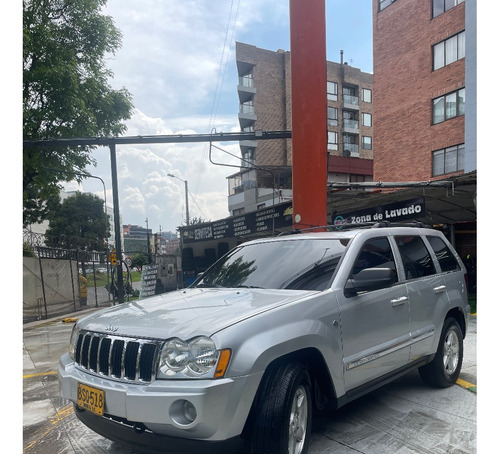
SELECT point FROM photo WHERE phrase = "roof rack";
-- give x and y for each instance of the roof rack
(364, 225)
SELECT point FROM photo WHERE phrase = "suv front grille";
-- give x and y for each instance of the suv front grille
(120, 358)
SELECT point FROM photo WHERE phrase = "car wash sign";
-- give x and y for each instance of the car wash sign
(399, 211)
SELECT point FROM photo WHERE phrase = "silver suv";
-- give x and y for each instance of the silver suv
(275, 329)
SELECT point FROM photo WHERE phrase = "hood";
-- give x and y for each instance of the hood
(187, 313)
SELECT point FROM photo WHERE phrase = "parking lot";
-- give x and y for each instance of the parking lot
(403, 417)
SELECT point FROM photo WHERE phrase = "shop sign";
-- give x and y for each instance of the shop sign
(399, 211)
(278, 216)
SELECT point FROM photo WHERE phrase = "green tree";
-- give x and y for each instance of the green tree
(79, 222)
(139, 260)
(65, 93)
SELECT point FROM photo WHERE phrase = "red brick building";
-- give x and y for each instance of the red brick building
(419, 97)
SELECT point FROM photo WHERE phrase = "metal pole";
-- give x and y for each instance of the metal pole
(118, 240)
(309, 141)
(187, 206)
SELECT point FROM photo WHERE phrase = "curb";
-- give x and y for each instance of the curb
(466, 385)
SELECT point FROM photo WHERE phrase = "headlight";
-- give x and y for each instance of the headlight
(194, 358)
(72, 342)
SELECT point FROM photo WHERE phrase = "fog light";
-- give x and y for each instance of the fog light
(189, 411)
(183, 412)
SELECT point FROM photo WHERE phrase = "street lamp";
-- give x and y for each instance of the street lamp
(186, 189)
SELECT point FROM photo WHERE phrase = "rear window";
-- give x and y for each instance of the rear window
(445, 257)
(417, 261)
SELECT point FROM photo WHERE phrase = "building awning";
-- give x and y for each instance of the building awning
(448, 201)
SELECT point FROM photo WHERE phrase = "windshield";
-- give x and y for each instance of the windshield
(300, 265)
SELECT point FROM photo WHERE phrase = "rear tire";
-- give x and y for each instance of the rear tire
(444, 369)
(284, 412)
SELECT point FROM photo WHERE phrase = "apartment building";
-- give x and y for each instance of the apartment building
(424, 89)
(264, 91)
(424, 106)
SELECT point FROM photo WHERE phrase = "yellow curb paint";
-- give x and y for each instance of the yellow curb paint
(466, 384)
(41, 374)
(61, 414)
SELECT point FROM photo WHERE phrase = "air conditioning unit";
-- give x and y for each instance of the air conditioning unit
(346, 153)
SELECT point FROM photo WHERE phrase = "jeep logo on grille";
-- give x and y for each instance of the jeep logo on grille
(111, 329)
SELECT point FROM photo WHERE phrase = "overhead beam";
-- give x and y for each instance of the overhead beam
(174, 138)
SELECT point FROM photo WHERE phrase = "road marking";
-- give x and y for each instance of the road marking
(466, 385)
(40, 374)
(61, 414)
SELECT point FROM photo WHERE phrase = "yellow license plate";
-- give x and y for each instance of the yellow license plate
(91, 399)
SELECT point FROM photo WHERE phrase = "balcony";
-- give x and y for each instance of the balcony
(351, 102)
(350, 150)
(351, 126)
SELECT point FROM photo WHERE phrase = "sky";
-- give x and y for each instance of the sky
(178, 61)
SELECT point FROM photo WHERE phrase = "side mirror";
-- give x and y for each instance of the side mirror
(370, 279)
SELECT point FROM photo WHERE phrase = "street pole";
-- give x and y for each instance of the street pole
(187, 206)
(186, 191)
(149, 245)
(116, 213)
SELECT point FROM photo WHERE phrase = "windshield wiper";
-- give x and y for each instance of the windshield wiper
(204, 285)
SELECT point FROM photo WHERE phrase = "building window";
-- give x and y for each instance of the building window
(366, 95)
(449, 51)
(333, 140)
(440, 6)
(367, 142)
(448, 160)
(448, 106)
(248, 157)
(385, 3)
(366, 119)
(332, 89)
(333, 116)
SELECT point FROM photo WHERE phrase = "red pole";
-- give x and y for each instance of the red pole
(309, 131)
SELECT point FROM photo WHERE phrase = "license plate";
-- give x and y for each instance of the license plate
(91, 399)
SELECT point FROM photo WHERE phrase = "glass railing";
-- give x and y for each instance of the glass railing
(245, 81)
(247, 109)
(352, 100)
(352, 148)
(351, 124)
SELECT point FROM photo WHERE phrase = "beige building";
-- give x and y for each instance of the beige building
(264, 90)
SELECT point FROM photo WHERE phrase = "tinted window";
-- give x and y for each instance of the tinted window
(445, 257)
(417, 261)
(375, 253)
(296, 264)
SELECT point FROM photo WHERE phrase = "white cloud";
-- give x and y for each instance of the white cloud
(177, 61)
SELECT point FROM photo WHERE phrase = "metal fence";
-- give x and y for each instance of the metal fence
(61, 281)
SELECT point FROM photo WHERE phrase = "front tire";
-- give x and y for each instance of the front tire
(284, 412)
(444, 369)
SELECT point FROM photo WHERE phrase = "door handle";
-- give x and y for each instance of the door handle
(439, 289)
(399, 301)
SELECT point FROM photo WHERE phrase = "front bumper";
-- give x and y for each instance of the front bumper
(221, 405)
(150, 443)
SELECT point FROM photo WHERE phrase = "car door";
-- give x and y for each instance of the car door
(375, 324)
(428, 300)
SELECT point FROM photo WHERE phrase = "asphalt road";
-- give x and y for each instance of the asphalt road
(404, 417)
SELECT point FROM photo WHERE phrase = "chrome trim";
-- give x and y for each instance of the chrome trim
(376, 355)
(111, 364)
